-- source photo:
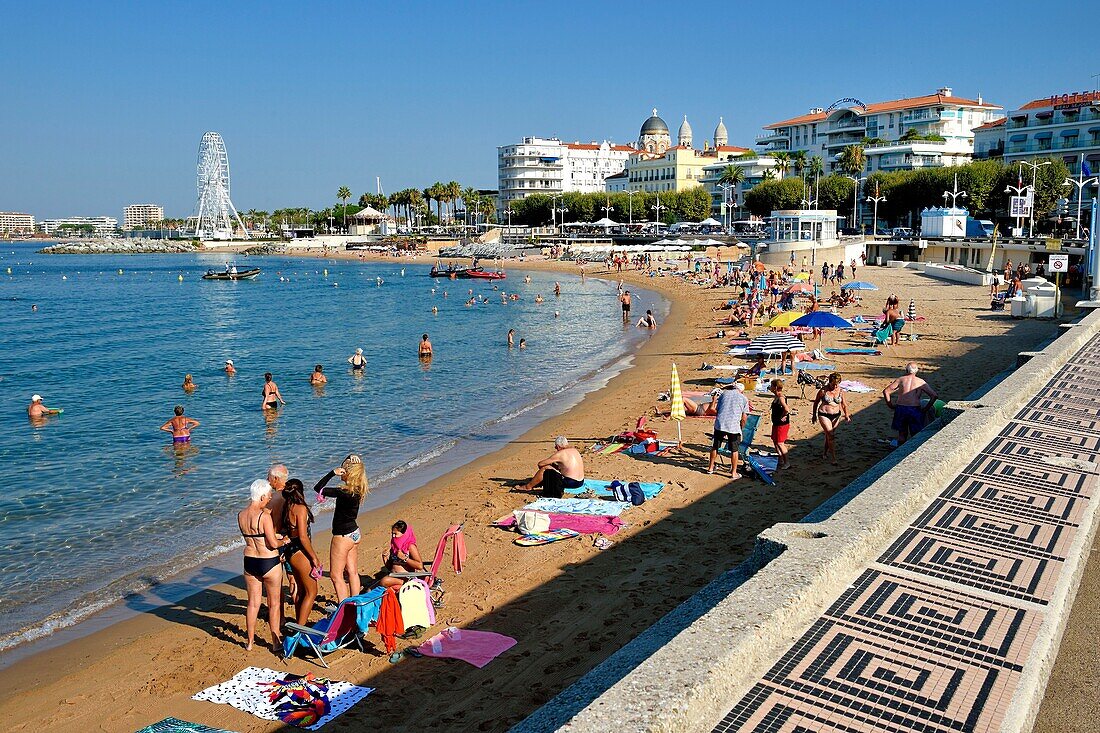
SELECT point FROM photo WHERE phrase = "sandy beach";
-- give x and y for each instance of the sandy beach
(569, 604)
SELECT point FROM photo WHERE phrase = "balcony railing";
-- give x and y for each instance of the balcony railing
(1059, 118)
(923, 117)
(848, 125)
(771, 137)
(903, 143)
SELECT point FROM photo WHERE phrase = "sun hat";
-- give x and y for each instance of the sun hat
(229, 362)
(36, 398)
(358, 351)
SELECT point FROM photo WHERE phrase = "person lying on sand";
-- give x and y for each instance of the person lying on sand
(563, 469)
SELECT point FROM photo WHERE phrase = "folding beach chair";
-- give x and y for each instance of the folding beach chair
(882, 336)
(343, 627)
(430, 573)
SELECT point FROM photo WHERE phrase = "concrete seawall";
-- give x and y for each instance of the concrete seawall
(688, 670)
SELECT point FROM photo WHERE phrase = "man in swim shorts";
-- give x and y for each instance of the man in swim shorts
(625, 300)
(180, 427)
(563, 469)
(909, 415)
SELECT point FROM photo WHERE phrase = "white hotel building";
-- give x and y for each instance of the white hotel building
(101, 226)
(550, 166)
(142, 216)
(14, 222)
(826, 133)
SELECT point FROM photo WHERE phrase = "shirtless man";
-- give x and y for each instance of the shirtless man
(425, 351)
(230, 370)
(564, 469)
(180, 427)
(37, 409)
(625, 300)
(277, 476)
(908, 413)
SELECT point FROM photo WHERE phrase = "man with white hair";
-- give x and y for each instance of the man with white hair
(37, 409)
(563, 469)
(276, 476)
(909, 414)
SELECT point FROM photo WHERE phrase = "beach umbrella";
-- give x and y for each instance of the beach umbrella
(676, 409)
(821, 319)
(800, 288)
(774, 343)
(858, 285)
(784, 319)
(801, 277)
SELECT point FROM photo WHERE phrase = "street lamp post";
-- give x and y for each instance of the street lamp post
(1080, 182)
(553, 209)
(855, 199)
(607, 208)
(1019, 191)
(1034, 171)
(630, 205)
(657, 216)
(953, 194)
(874, 219)
(726, 188)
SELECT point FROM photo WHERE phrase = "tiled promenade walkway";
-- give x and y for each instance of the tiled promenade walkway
(934, 634)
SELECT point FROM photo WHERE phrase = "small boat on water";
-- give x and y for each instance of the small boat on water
(450, 271)
(479, 274)
(232, 273)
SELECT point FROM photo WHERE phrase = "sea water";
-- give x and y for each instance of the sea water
(96, 502)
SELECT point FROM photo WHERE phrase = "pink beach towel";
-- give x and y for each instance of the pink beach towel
(583, 523)
(476, 647)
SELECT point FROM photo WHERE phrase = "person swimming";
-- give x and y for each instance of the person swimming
(317, 378)
(188, 383)
(180, 427)
(230, 370)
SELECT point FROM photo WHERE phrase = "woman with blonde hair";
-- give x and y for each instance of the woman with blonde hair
(344, 548)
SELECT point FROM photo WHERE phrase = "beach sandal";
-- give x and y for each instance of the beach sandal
(413, 652)
(396, 657)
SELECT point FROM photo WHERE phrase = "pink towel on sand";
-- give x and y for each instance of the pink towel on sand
(583, 523)
(476, 647)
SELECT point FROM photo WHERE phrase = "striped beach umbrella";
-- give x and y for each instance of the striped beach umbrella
(676, 409)
(774, 343)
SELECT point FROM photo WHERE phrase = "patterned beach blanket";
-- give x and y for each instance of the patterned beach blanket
(603, 488)
(302, 701)
(580, 506)
(175, 725)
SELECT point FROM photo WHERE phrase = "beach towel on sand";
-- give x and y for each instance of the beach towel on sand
(175, 725)
(579, 506)
(544, 538)
(809, 366)
(860, 350)
(603, 488)
(305, 702)
(582, 523)
(476, 647)
(849, 385)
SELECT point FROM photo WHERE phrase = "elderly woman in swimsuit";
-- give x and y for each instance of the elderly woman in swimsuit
(263, 574)
(403, 556)
(829, 409)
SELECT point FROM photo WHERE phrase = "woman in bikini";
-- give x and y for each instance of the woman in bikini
(829, 409)
(263, 575)
(403, 555)
(271, 395)
(298, 554)
(344, 548)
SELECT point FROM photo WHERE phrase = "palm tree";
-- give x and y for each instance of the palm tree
(782, 162)
(732, 175)
(454, 192)
(344, 194)
(798, 161)
(768, 174)
(413, 200)
(852, 160)
(438, 193)
(816, 167)
(470, 198)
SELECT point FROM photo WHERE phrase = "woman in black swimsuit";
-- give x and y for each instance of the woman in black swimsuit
(263, 575)
(344, 549)
(357, 360)
(829, 409)
(271, 396)
(298, 554)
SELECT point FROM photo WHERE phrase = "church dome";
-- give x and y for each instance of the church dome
(721, 137)
(654, 125)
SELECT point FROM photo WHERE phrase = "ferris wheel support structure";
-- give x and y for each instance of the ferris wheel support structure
(215, 214)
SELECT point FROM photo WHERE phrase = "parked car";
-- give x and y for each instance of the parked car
(901, 233)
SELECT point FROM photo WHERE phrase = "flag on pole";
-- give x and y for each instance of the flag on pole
(1085, 168)
(676, 409)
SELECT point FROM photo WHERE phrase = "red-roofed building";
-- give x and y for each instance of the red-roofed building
(1061, 126)
(938, 131)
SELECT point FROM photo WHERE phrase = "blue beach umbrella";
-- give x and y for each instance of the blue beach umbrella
(859, 285)
(821, 319)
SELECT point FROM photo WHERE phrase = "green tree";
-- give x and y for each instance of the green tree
(798, 162)
(852, 160)
(835, 192)
(774, 195)
(692, 204)
(344, 194)
(782, 162)
(732, 175)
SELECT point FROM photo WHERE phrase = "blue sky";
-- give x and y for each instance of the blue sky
(105, 103)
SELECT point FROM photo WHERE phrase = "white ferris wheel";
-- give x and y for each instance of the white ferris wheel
(215, 215)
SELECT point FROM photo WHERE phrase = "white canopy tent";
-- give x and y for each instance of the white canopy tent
(605, 222)
(710, 222)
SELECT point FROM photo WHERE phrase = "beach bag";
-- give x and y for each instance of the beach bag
(619, 491)
(528, 522)
(635, 493)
